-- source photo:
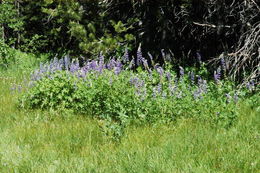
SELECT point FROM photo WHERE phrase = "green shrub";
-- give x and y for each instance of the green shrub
(109, 92)
(106, 95)
(7, 55)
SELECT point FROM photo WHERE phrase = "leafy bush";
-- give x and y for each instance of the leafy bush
(7, 55)
(107, 90)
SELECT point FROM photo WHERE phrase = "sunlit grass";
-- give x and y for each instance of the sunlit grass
(48, 141)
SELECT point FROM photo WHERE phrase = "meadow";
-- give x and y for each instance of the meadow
(60, 140)
(129, 86)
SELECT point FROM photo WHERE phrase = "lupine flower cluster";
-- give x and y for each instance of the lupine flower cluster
(16, 88)
(73, 66)
(168, 83)
(217, 75)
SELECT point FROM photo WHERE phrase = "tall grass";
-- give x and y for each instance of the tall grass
(46, 141)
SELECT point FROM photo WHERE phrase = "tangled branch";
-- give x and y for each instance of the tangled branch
(246, 59)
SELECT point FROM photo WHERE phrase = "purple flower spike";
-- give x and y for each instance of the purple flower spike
(163, 54)
(19, 88)
(217, 75)
(160, 70)
(126, 56)
(119, 64)
(199, 79)
(228, 97)
(172, 89)
(250, 85)
(198, 56)
(117, 70)
(159, 88)
(145, 63)
(67, 62)
(60, 64)
(223, 63)
(93, 65)
(154, 94)
(133, 80)
(236, 98)
(74, 67)
(196, 94)
(192, 76)
(139, 56)
(168, 76)
(101, 59)
(111, 64)
(181, 71)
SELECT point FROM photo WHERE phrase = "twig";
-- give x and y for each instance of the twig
(211, 25)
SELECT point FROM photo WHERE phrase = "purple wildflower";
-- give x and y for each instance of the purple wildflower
(139, 56)
(228, 97)
(203, 86)
(93, 65)
(250, 85)
(67, 62)
(181, 71)
(163, 54)
(192, 76)
(154, 94)
(83, 72)
(168, 76)
(172, 89)
(196, 94)
(198, 56)
(101, 59)
(74, 66)
(199, 79)
(217, 75)
(42, 69)
(111, 64)
(55, 61)
(101, 63)
(19, 88)
(145, 63)
(13, 88)
(223, 63)
(160, 70)
(159, 88)
(134, 80)
(126, 56)
(236, 97)
(61, 63)
(118, 67)
(119, 64)
(117, 70)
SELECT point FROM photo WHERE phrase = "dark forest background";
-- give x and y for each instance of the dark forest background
(181, 30)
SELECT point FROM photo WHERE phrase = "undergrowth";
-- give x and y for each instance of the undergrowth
(111, 91)
(60, 140)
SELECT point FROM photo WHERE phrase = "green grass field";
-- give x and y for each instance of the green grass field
(37, 141)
